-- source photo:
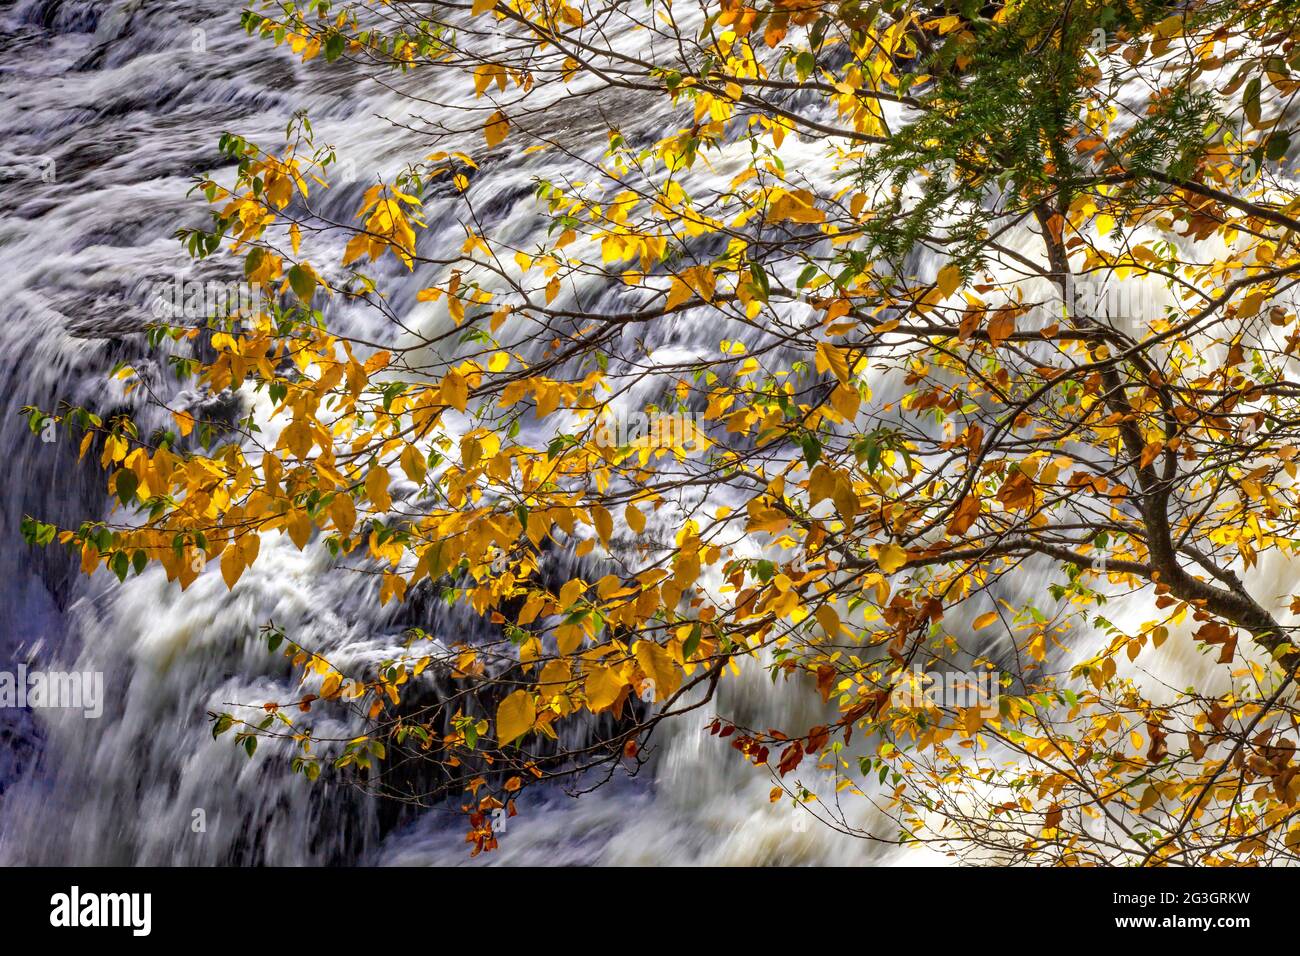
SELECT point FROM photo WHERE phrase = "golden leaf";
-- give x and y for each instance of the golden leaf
(377, 487)
(948, 280)
(603, 687)
(454, 390)
(515, 716)
(659, 667)
(555, 675)
(604, 523)
(343, 512)
(845, 400)
(232, 565)
(831, 358)
(828, 619)
(890, 557)
(496, 129)
(634, 518)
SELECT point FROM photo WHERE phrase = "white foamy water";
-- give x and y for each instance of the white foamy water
(110, 109)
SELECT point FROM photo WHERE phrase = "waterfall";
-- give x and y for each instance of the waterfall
(111, 109)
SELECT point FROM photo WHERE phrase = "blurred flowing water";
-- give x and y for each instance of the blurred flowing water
(109, 111)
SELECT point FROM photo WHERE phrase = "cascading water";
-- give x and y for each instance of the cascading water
(110, 110)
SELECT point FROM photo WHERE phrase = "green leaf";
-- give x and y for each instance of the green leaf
(126, 484)
(303, 283)
(1250, 102)
(812, 449)
(253, 260)
(1277, 146)
(693, 641)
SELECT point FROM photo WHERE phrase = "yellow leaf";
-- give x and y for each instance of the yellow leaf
(232, 565)
(828, 619)
(329, 687)
(413, 464)
(702, 280)
(454, 390)
(829, 357)
(659, 667)
(984, 620)
(1250, 305)
(344, 513)
(532, 607)
(604, 523)
(482, 6)
(634, 518)
(298, 525)
(548, 398)
(821, 484)
(571, 591)
(890, 557)
(678, 293)
(184, 422)
(568, 638)
(358, 246)
(846, 400)
(248, 546)
(515, 716)
(496, 129)
(555, 675)
(603, 686)
(948, 280)
(377, 487)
